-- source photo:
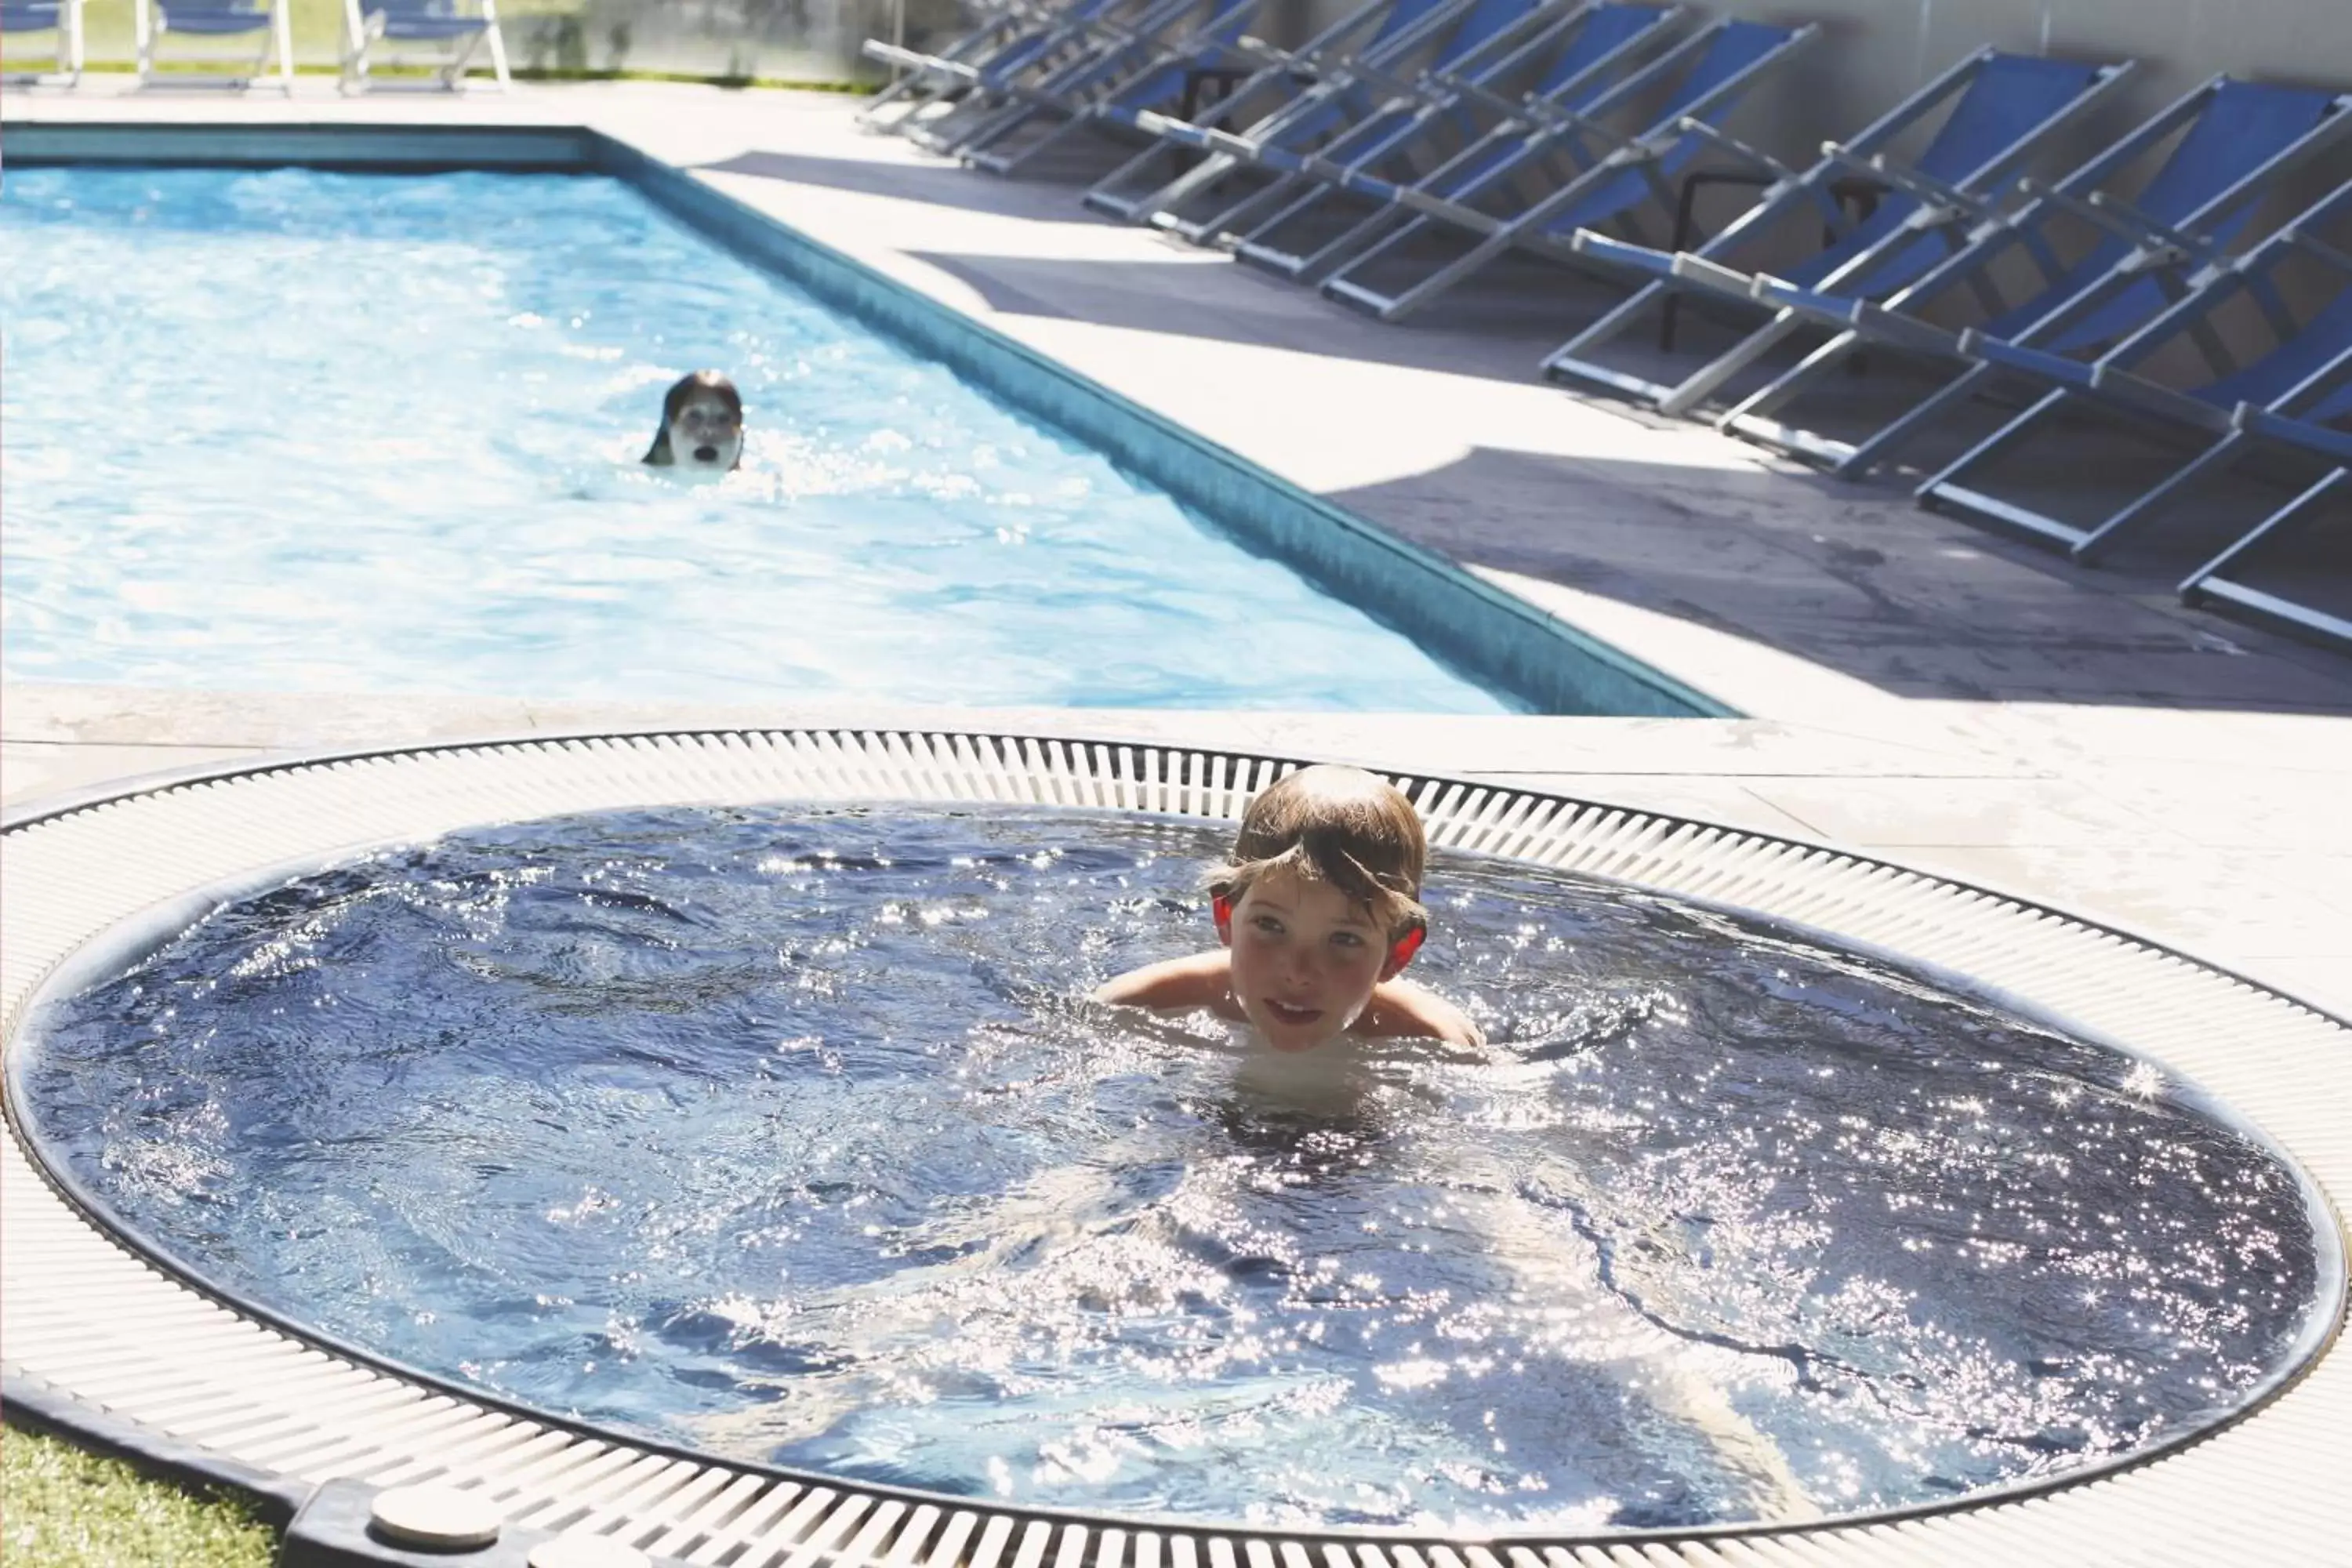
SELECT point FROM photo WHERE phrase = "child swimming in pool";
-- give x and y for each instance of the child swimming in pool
(1318, 912)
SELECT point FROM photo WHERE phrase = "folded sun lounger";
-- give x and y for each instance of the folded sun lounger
(1589, 50)
(1992, 114)
(62, 18)
(923, 76)
(2230, 145)
(392, 32)
(1384, 99)
(1020, 44)
(1101, 47)
(1617, 173)
(1118, 88)
(2292, 396)
(152, 21)
(1310, 88)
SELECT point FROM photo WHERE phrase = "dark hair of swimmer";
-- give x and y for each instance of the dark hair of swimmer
(702, 417)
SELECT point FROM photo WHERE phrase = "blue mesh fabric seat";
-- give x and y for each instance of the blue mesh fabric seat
(62, 18)
(450, 32)
(2232, 146)
(1063, 68)
(1590, 49)
(1382, 96)
(1150, 73)
(1990, 114)
(1616, 175)
(2296, 393)
(154, 21)
(1306, 91)
(1010, 39)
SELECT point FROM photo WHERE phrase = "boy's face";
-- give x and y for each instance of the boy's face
(1306, 958)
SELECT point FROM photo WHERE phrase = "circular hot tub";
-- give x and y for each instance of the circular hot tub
(729, 1109)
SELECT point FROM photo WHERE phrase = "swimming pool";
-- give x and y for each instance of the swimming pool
(786, 1133)
(290, 429)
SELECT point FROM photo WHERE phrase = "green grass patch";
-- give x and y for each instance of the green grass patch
(63, 1507)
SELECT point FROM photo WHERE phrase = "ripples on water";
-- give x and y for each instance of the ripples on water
(299, 431)
(789, 1136)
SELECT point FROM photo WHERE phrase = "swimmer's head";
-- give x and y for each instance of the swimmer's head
(701, 425)
(1344, 828)
(1319, 903)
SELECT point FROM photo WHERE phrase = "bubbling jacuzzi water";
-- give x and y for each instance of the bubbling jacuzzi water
(791, 1134)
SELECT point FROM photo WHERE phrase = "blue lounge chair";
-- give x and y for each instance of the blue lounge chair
(2231, 144)
(62, 18)
(2287, 396)
(920, 78)
(1996, 112)
(1314, 84)
(1589, 50)
(450, 31)
(2217, 580)
(1617, 174)
(1118, 88)
(152, 21)
(1384, 97)
(1019, 46)
(1114, 49)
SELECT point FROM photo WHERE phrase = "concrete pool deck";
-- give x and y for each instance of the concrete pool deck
(1916, 688)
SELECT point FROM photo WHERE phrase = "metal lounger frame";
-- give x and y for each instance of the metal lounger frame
(1388, 96)
(1950, 207)
(364, 24)
(277, 38)
(1310, 79)
(1118, 89)
(68, 29)
(1648, 155)
(2286, 393)
(2071, 311)
(1573, 82)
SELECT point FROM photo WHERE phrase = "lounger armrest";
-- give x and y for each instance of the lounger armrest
(1553, 117)
(1275, 58)
(1691, 125)
(1486, 98)
(1935, 193)
(2121, 219)
(2138, 391)
(2318, 249)
(2259, 421)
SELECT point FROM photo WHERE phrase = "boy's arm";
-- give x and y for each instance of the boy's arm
(1197, 980)
(1400, 1008)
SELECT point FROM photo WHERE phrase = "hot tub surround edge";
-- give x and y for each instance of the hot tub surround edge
(429, 784)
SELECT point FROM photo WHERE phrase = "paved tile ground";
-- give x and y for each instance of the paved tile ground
(1915, 688)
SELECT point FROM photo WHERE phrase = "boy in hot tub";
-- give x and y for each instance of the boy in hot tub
(1317, 912)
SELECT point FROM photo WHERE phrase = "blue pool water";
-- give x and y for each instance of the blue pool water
(307, 431)
(792, 1135)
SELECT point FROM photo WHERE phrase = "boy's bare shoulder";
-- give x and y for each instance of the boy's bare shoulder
(1400, 1008)
(1196, 980)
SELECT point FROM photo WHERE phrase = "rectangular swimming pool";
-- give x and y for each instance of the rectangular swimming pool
(286, 428)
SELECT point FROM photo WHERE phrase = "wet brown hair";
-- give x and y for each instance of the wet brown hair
(1336, 825)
